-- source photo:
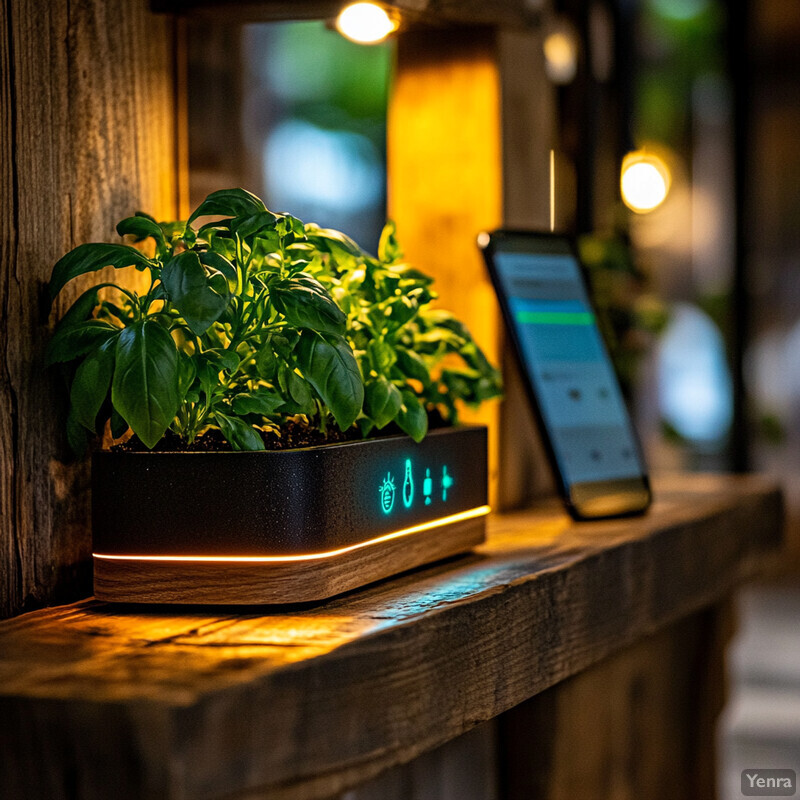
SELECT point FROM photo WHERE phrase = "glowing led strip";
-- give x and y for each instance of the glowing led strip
(480, 511)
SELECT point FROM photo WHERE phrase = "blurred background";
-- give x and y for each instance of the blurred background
(676, 161)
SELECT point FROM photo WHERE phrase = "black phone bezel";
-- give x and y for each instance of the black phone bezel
(577, 497)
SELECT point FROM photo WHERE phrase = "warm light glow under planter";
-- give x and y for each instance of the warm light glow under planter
(283, 526)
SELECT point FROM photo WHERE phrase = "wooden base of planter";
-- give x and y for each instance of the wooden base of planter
(231, 581)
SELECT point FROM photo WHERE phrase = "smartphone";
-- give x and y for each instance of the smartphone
(568, 374)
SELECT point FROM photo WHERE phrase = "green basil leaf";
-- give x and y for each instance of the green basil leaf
(141, 228)
(412, 366)
(382, 355)
(382, 401)
(306, 303)
(285, 342)
(264, 402)
(118, 425)
(300, 392)
(222, 359)
(219, 263)
(92, 257)
(81, 309)
(239, 434)
(187, 371)
(266, 363)
(75, 341)
(413, 418)
(228, 203)
(254, 224)
(397, 312)
(90, 384)
(187, 287)
(329, 365)
(265, 244)
(333, 242)
(208, 374)
(145, 385)
(389, 250)
(365, 425)
(444, 319)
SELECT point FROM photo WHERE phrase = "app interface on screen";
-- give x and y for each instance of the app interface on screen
(573, 378)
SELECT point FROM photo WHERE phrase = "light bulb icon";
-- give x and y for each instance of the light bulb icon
(408, 486)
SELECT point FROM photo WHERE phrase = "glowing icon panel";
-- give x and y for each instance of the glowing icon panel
(389, 488)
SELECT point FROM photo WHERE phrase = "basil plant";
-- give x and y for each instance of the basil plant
(251, 320)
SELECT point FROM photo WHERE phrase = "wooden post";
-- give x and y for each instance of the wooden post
(468, 150)
(87, 136)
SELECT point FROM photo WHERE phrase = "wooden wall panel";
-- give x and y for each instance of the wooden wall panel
(86, 138)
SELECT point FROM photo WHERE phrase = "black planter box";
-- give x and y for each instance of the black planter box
(283, 526)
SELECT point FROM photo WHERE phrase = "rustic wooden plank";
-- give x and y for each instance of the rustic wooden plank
(462, 769)
(306, 702)
(638, 724)
(86, 138)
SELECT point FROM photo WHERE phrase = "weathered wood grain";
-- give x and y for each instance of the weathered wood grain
(306, 702)
(640, 724)
(237, 583)
(86, 138)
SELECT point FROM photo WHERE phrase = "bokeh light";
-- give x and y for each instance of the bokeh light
(644, 181)
(561, 56)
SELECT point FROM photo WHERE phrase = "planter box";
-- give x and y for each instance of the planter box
(283, 526)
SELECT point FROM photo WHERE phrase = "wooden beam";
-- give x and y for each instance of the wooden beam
(86, 138)
(435, 12)
(471, 124)
(444, 160)
(101, 701)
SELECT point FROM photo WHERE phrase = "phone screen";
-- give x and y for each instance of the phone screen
(545, 301)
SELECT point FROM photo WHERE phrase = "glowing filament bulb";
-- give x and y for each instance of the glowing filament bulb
(365, 23)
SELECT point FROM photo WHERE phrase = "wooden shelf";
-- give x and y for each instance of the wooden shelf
(99, 701)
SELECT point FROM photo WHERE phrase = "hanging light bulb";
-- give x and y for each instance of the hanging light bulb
(365, 23)
(644, 181)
